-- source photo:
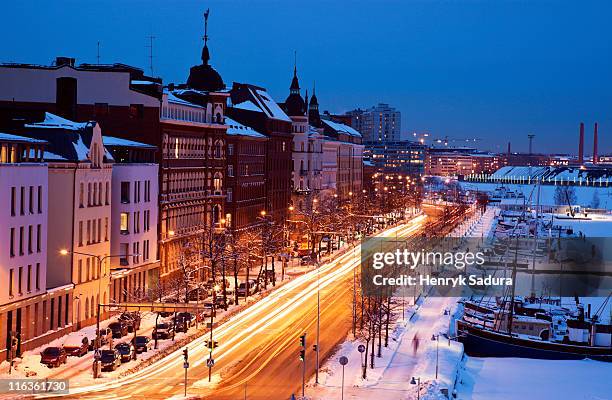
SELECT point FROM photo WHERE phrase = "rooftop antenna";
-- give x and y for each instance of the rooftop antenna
(98, 53)
(150, 46)
(205, 52)
(294, 62)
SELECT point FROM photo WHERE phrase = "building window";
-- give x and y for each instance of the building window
(31, 200)
(124, 223)
(125, 192)
(80, 271)
(19, 282)
(12, 245)
(136, 252)
(124, 250)
(217, 183)
(145, 250)
(81, 194)
(230, 149)
(40, 199)
(230, 170)
(136, 111)
(22, 201)
(11, 278)
(80, 233)
(37, 276)
(107, 194)
(29, 279)
(13, 199)
(229, 195)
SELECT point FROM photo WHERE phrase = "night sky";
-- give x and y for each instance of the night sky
(495, 70)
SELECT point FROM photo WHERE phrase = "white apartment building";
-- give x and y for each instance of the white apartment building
(79, 212)
(134, 216)
(28, 311)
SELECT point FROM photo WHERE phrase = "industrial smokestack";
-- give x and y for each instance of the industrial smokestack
(595, 155)
(581, 145)
(509, 152)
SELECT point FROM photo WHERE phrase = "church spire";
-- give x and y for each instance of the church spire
(295, 84)
(205, 52)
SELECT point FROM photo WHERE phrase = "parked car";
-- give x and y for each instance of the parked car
(181, 324)
(208, 310)
(187, 316)
(119, 329)
(163, 330)
(110, 359)
(219, 300)
(305, 260)
(252, 285)
(142, 344)
(126, 350)
(76, 346)
(131, 319)
(53, 356)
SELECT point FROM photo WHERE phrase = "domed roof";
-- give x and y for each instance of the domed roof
(294, 105)
(204, 77)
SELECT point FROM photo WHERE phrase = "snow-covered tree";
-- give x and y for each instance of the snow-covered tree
(565, 195)
(595, 199)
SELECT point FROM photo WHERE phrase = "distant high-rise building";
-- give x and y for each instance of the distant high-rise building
(381, 123)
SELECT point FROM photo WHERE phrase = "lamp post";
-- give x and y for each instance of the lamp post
(436, 337)
(417, 381)
(65, 252)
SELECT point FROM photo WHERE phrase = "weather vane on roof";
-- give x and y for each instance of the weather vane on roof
(206, 25)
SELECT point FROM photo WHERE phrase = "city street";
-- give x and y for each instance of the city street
(259, 347)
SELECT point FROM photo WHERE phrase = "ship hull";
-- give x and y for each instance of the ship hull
(485, 343)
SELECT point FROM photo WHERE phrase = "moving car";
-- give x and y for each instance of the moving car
(76, 346)
(126, 350)
(142, 344)
(53, 356)
(105, 336)
(110, 359)
(163, 330)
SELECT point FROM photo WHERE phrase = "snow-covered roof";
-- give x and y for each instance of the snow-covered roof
(236, 128)
(115, 141)
(176, 100)
(57, 122)
(341, 128)
(248, 106)
(368, 163)
(269, 106)
(137, 82)
(549, 174)
(15, 138)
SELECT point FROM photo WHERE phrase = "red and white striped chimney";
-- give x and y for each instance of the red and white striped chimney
(595, 155)
(581, 145)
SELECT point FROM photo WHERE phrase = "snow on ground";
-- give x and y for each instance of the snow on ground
(521, 378)
(411, 352)
(584, 194)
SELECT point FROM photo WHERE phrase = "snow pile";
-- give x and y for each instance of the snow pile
(522, 378)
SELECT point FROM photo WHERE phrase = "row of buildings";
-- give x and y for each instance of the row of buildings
(108, 175)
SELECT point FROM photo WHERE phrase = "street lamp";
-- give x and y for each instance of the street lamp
(436, 337)
(65, 252)
(417, 381)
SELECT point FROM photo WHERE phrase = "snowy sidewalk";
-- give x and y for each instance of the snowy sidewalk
(390, 379)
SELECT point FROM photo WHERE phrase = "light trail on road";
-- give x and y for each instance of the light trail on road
(281, 311)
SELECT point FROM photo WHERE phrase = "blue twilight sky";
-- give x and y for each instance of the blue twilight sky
(491, 69)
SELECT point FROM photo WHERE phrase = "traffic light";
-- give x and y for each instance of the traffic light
(186, 354)
(302, 355)
(314, 347)
(303, 340)
(14, 342)
(211, 344)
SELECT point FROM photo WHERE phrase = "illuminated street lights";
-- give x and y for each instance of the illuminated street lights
(417, 381)
(65, 252)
